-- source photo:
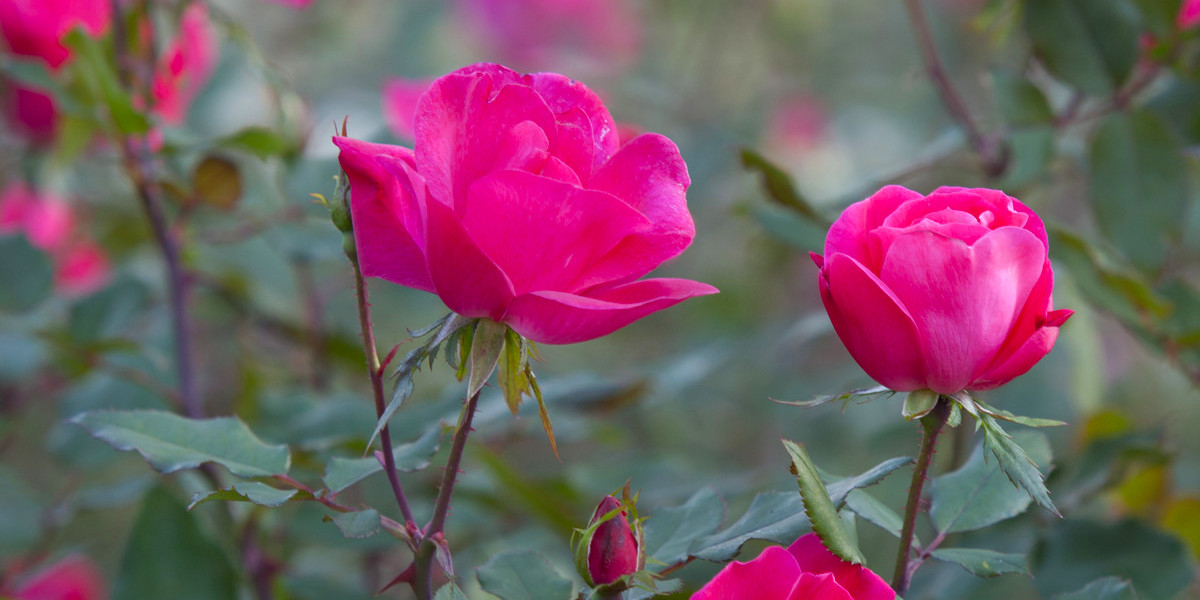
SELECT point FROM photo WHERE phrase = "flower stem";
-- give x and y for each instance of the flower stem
(932, 425)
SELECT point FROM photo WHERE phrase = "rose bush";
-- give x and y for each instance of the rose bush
(949, 291)
(518, 204)
(806, 570)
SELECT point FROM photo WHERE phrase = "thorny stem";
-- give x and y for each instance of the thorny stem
(932, 425)
(385, 436)
(991, 154)
(434, 530)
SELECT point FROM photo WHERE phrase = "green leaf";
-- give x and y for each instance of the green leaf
(1022, 103)
(26, 274)
(358, 524)
(1007, 416)
(1021, 470)
(774, 516)
(1090, 44)
(260, 141)
(1075, 552)
(1107, 588)
(486, 346)
(512, 378)
(978, 494)
(1032, 151)
(874, 511)
(170, 442)
(919, 403)
(1113, 287)
(983, 563)
(780, 187)
(1138, 180)
(523, 576)
(861, 396)
(103, 314)
(341, 473)
(246, 491)
(168, 556)
(91, 65)
(840, 488)
(819, 507)
(673, 530)
(450, 591)
(217, 183)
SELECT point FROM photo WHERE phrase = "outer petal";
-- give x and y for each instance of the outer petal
(649, 174)
(464, 277)
(848, 234)
(464, 121)
(818, 587)
(542, 233)
(1018, 363)
(873, 323)
(383, 204)
(771, 576)
(561, 318)
(862, 584)
(964, 297)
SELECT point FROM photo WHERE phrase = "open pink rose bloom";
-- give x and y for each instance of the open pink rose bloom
(518, 204)
(806, 570)
(72, 578)
(950, 291)
(36, 27)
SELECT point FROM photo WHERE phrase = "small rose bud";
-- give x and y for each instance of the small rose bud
(613, 551)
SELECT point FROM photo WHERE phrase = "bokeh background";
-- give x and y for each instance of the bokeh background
(834, 94)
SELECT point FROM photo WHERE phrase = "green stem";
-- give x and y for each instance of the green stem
(932, 424)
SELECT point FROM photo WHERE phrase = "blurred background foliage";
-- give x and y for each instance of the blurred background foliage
(786, 111)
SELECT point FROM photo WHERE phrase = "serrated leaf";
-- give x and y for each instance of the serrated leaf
(983, 563)
(673, 530)
(1138, 182)
(450, 591)
(1016, 463)
(486, 345)
(26, 274)
(1108, 588)
(819, 507)
(168, 556)
(358, 524)
(978, 494)
(246, 491)
(1090, 44)
(523, 576)
(341, 473)
(840, 488)
(872, 510)
(862, 396)
(1004, 415)
(773, 516)
(170, 442)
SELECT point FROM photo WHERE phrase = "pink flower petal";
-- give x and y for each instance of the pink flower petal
(469, 282)
(400, 98)
(848, 235)
(650, 175)
(860, 582)
(964, 297)
(562, 318)
(186, 65)
(36, 27)
(543, 233)
(566, 96)
(771, 576)
(81, 269)
(810, 586)
(873, 323)
(73, 578)
(1028, 354)
(32, 112)
(384, 204)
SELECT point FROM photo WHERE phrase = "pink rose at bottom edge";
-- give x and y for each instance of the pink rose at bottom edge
(948, 291)
(806, 570)
(72, 578)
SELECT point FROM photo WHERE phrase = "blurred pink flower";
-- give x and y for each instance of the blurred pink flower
(31, 112)
(185, 66)
(519, 204)
(797, 125)
(806, 570)
(544, 34)
(1189, 14)
(72, 578)
(36, 27)
(80, 266)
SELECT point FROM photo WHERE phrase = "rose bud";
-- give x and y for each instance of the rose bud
(609, 548)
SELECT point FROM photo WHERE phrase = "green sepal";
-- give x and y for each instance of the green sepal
(822, 513)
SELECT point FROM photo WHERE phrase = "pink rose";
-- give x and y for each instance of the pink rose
(72, 578)
(949, 291)
(36, 27)
(517, 204)
(80, 266)
(806, 570)
(1189, 14)
(185, 66)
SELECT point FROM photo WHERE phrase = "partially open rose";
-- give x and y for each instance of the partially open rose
(518, 204)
